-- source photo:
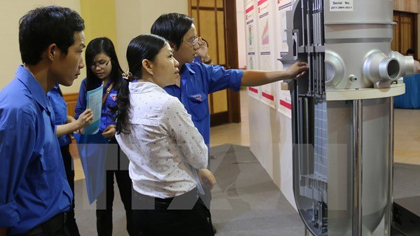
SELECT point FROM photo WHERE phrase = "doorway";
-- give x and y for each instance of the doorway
(215, 21)
(404, 32)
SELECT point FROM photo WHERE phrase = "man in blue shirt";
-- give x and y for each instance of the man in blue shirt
(199, 80)
(34, 192)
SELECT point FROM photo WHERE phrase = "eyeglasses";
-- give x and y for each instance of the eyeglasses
(101, 64)
(192, 42)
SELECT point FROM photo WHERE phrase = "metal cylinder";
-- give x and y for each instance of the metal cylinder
(361, 38)
(375, 164)
(343, 185)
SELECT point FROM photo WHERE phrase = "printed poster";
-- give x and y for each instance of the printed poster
(266, 45)
(283, 96)
(284, 101)
(252, 44)
(282, 6)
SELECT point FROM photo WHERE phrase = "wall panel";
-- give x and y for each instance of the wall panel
(11, 12)
(406, 5)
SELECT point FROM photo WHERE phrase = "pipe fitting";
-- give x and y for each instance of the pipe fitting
(406, 63)
(380, 69)
(334, 68)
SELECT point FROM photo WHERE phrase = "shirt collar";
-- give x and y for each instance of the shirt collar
(26, 77)
(108, 83)
(144, 87)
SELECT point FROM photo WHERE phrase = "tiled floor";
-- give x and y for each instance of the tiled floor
(234, 133)
(406, 138)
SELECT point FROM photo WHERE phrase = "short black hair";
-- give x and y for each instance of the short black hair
(172, 27)
(410, 51)
(44, 26)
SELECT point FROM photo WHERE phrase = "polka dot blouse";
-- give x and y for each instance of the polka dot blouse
(164, 147)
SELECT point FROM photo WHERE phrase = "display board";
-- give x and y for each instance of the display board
(252, 43)
(283, 96)
(282, 6)
(284, 102)
(267, 57)
(271, 129)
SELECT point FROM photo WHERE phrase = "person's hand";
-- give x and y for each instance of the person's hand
(203, 50)
(109, 132)
(207, 178)
(297, 69)
(70, 119)
(84, 119)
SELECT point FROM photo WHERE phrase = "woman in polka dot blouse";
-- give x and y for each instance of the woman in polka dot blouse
(168, 156)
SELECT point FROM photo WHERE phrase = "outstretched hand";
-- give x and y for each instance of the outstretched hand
(297, 70)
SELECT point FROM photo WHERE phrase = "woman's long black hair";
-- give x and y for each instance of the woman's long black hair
(145, 46)
(102, 45)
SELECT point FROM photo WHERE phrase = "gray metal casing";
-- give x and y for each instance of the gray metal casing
(343, 147)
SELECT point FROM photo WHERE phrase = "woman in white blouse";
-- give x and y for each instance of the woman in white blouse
(168, 156)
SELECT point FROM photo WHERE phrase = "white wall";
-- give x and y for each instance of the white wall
(271, 143)
(135, 17)
(270, 129)
(11, 12)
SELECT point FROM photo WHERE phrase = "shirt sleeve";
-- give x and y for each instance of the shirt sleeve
(218, 78)
(81, 100)
(17, 132)
(59, 107)
(179, 125)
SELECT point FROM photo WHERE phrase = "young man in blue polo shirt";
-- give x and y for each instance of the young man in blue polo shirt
(34, 192)
(199, 80)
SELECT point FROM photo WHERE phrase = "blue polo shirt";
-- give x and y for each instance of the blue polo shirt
(197, 82)
(33, 183)
(107, 116)
(60, 111)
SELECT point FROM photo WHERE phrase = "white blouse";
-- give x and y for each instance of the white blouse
(163, 145)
